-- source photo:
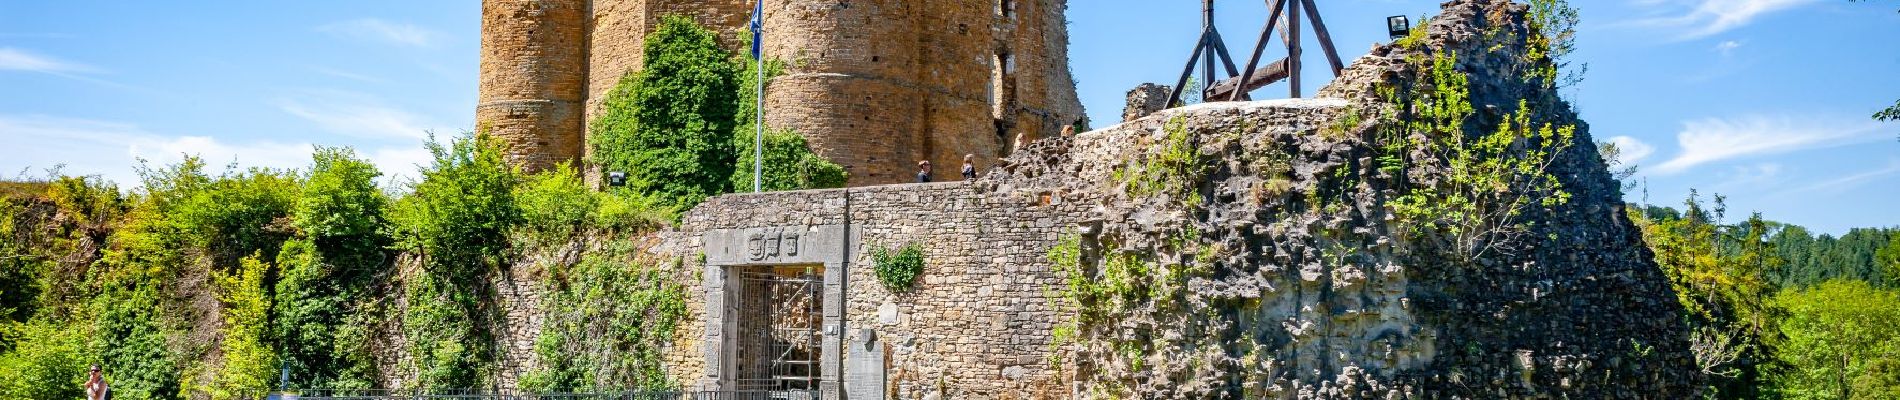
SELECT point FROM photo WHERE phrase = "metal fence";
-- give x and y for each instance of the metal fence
(386, 394)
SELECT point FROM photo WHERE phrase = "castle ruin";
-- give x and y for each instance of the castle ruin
(875, 85)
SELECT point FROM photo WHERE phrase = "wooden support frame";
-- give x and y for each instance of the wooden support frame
(1209, 50)
(1284, 17)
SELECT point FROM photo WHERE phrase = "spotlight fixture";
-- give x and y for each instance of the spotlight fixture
(616, 179)
(1398, 26)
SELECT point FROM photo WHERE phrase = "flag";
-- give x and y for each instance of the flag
(758, 29)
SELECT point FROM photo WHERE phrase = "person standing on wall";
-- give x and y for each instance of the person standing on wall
(923, 171)
(969, 167)
(96, 388)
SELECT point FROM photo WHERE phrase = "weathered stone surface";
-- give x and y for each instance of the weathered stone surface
(875, 85)
(1316, 290)
(533, 74)
(1144, 100)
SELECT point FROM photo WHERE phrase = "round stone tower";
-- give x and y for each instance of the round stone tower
(877, 85)
(533, 79)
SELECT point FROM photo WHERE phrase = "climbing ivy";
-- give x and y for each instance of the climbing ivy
(670, 125)
(898, 269)
(610, 318)
(457, 219)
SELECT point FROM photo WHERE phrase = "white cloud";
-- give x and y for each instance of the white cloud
(1709, 17)
(1714, 139)
(347, 75)
(359, 115)
(1727, 47)
(384, 31)
(112, 149)
(1630, 150)
(1744, 178)
(12, 59)
(1845, 182)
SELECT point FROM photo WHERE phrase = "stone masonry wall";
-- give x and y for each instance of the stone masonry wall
(1271, 264)
(533, 78)
(876, 85)
(978, 321)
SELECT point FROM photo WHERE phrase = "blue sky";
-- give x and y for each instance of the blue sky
(1765, 101)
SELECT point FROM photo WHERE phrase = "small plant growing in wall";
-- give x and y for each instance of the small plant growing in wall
(899, 269)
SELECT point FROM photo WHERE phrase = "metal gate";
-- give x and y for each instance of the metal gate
(778, 320)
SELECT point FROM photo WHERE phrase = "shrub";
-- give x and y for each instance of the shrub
(249, 361)
(789, 162)
(458, 219)
(610, 317)
(46, 362)
(555, 205)
(669, 126)
(339, 218)
(899, 269)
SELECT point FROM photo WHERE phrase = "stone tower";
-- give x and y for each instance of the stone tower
(533, 78)
(876, 85)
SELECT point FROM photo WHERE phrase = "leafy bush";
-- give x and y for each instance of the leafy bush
(898, 270)
(249, 361)
(47, 362)
(1843, 340)
(789, 162)
(669, 126)
(1490, 179)
(555, 205)
(232, 215)
(457, 219)
(609, 318)
(328, 268)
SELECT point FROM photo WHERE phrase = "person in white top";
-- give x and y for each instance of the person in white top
(96, 388)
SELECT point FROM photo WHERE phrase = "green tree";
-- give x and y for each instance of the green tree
(1888, 260)
(326, 270)
(669, 126)
(1843, 342)
(250, 363)
(458, 219)
(1556, 22)
(46, 361)
(1722, 277)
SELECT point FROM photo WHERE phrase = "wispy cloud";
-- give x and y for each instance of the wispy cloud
(1715, 139)
(1745, 178)
(12, 59)
(383, 31)
(1631, 150)
(111, 149)
(347, 75)
(1727, 47)
(34, 35)
(358, 115)
(1709, 17)
(1850, 181)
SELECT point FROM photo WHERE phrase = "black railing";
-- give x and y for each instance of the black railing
(390, 394)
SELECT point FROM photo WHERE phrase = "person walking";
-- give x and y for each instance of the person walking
(923, 171)
(96, 388)
(969, 167)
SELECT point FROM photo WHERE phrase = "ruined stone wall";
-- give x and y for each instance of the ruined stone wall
(1302, 299)
(977, 322)
(876, 85)
(533, 78)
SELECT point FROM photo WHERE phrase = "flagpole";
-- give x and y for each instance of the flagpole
(758, 120)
